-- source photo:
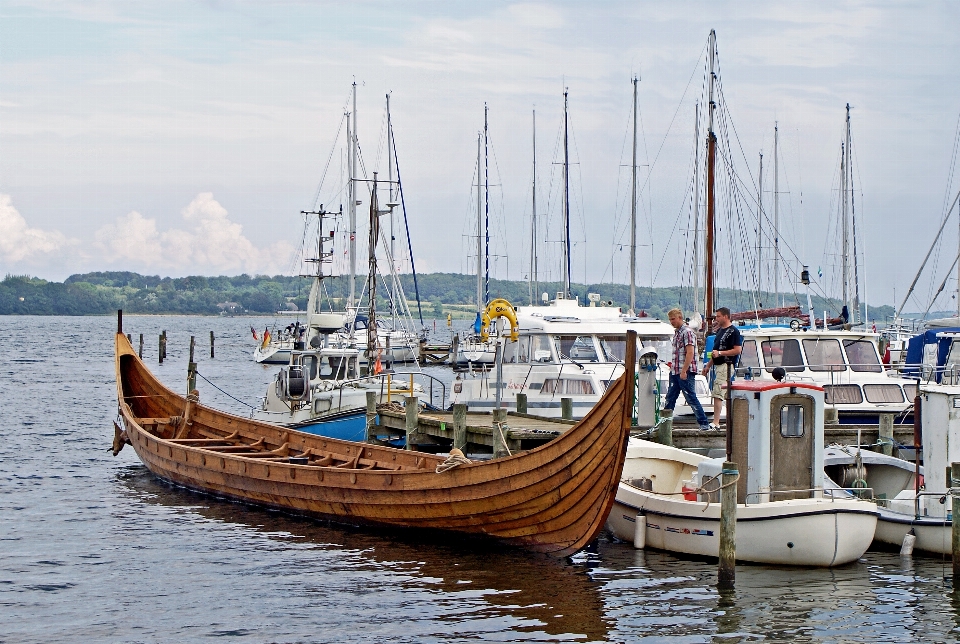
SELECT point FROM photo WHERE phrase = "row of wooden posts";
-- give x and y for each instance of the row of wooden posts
(412, 425)
(162, 348)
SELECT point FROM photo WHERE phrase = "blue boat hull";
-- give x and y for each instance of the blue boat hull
(347, 426)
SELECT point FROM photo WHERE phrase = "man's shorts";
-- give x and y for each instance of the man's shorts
(721, 375)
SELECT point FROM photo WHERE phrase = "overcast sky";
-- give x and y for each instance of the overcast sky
(180, 138)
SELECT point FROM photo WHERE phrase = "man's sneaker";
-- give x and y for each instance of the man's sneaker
(705, 428)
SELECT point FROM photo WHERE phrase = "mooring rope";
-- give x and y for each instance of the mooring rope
(223, 392)
(455, 459)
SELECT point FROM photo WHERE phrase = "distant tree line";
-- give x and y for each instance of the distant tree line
(104, 292)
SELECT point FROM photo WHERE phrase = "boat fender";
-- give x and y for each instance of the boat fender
(909, 540)
(640, 532)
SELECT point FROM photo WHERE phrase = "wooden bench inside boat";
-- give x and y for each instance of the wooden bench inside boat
(233, 445)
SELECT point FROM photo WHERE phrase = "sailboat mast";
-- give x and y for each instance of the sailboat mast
(353, 204)
(776, 213)
(372, 276)
(844, 213)
(486, 207)
(708, 304)
(566, 201)
(534, 285)
(760, 228)
(855, 291)
(633, 208)
(393, 237)
(480, 301)
(696, 209)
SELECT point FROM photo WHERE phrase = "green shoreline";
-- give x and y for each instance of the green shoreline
(441, 294)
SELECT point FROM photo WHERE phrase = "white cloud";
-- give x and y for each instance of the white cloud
(19, 242)
(210, 243)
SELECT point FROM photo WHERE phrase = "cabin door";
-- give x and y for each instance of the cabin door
(791, 446)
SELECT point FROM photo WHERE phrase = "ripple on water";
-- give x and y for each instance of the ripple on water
(96, 549)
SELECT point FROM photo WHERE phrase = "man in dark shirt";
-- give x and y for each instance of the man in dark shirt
(727, 344)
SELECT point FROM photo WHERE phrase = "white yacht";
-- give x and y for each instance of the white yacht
(668, 498)
(913, 499)
(845, 363)
(570, 351)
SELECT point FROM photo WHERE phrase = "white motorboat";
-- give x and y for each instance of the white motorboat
(323, 385)
(570, 351)
(668, 499)
(845, 363)
(912, 499)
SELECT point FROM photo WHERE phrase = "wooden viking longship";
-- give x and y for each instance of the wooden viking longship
(553, 499)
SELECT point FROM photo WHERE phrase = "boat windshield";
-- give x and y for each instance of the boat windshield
(662, 344)
(823, 354)
(614, 347)
(782, 353)
(862, 355)
(577, 347)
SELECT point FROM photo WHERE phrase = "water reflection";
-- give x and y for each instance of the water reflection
(540, 595)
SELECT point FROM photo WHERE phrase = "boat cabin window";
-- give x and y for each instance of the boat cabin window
(823, 354)
(782, 353)
(791, 421)
(862, 355)
(577, 347)
(614, 347)
(842, 394)
(953, 356)
(540, 350)
(519, 351)
(883, 393)
(567, 386)
(930, 354)
(910, 391)
(660, 343)
(748, 355)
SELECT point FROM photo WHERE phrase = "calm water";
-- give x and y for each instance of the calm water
(93, 548)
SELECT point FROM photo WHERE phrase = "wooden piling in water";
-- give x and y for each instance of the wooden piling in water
(413, 421)
(371, 433)
(521, 403)
(727, 566)
(460, 426)
(886, 434)
(665, 428)
(140, 352)
(955, 523)
(163, 346)
(566, 408)
(211, 344)
(191, 367)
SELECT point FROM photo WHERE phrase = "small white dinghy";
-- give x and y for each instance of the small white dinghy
(912, 500)
(668, 498)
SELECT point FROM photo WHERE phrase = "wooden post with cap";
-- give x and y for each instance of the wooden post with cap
(727, 566)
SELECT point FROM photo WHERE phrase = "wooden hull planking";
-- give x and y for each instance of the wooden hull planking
(553, 499)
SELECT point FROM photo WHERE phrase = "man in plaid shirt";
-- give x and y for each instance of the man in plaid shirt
(683, 370)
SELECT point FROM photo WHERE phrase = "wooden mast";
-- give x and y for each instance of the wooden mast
(372, 258)
(708, 305)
